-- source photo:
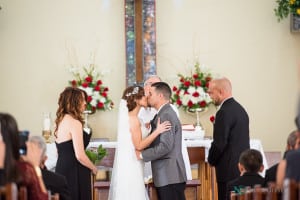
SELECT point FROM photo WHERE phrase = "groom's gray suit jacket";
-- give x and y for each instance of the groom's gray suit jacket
(165, 151)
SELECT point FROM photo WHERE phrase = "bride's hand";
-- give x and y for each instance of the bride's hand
(162, 127)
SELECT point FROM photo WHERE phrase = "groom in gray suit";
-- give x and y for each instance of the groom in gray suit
(168, 169)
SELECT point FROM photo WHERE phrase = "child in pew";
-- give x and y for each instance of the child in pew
(250, 164)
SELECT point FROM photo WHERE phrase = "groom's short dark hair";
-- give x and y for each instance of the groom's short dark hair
(163, 88)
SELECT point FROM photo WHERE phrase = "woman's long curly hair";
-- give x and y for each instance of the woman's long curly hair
(10, 135)
(131, 94)
(69, 102)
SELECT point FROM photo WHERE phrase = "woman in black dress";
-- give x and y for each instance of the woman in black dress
(71, 142)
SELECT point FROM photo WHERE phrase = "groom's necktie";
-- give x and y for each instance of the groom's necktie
(153, 125)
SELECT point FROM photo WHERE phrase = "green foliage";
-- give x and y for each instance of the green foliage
(286, 7)
(101, 152)
(96, 156)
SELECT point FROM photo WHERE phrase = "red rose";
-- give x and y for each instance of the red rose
(85, 84)
(202, 104)
(174, 88)
(187, 83)
(97, 88)
(100, 105)
(195, 94)
(106, 89)
(74, 83)
(99, 82)
(212, 118)
(198, 83)
(181, 80)
(190, 104)
(89, 99)
(89, 79)
(179, 102)
(104, 94)
(195, 76)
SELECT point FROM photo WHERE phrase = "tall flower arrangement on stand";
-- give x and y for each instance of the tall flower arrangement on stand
(98, 98)
(191, 92)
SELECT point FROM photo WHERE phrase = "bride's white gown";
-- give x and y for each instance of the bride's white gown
(127, 182)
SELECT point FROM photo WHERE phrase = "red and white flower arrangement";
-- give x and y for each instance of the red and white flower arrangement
(89, 82)
(191, 93)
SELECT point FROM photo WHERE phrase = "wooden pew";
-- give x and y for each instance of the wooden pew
(9, 191)
(244, 194)
(259, 193)
(22, 193)
(290, 190)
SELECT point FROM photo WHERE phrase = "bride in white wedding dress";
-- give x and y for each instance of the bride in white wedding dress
(127, 182)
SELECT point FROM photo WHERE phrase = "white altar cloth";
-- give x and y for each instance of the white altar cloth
(254, 144)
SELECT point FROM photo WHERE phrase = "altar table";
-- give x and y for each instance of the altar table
(254, 144)
(207, 175)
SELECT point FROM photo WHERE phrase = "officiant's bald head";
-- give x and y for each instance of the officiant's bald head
(219, 89)
(149, 81)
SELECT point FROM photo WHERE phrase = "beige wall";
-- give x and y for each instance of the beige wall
(39, 40)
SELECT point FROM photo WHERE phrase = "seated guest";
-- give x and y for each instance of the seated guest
(54, 182)
(250, 164)
(293, 142)
(289, 168)
(23, 170)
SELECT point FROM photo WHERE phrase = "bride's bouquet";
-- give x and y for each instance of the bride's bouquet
(96, 155)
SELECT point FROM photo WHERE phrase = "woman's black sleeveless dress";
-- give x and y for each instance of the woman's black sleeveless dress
(77, 175)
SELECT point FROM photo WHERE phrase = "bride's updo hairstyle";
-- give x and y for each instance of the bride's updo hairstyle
(131, 94)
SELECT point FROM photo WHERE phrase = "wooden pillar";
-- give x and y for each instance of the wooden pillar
(139, 40)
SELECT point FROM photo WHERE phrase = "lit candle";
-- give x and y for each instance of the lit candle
(46, 123)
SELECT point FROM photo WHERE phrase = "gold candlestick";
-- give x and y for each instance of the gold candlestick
(47, 127)
(47, 135)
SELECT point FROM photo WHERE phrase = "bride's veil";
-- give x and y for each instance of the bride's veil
(124, 146)
(127, 174)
